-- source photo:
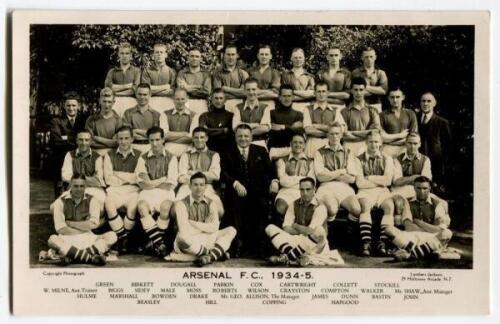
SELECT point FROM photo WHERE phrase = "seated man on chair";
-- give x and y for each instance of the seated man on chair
(123, 191)
(87, 162)
(335, 169)
(304, 228)
(197, 219)
(200, 159)
(374, 176)
(156, 174)
(290, 170)
(76, 214)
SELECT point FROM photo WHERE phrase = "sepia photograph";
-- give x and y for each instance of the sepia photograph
(247, 167)
(251, 145)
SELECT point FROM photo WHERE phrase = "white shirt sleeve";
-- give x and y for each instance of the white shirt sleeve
(173, 174)
(289, 216)
(58, 214)
(306, 119)
(139, 169)
(99, 171)
(164, 122)
(266, 117)
(213, 173)
(426, 169)
(398, 170)
(184, 164)
(67, 168)
(319, 217)
(236, 118)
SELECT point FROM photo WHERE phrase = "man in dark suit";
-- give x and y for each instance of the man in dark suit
(247, 173)
(63, 130)
(435, 135)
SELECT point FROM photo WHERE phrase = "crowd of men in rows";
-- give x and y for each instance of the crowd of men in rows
(309, 144)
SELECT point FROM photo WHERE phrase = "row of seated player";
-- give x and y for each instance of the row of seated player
(302, 238)
(156, 174)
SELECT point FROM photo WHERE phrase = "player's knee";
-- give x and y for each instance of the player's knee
(143, 207)
(319, 234)
(53, 239)
(281, 206)
(183, 242)
(332, 206)
(390, 231)
(271, 229)
(110, 238)
(231, 231)
(445, 235)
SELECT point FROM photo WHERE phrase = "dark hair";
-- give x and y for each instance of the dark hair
(285, 87)
(194, 49)
(218, 90)
(320, 84)
(156, 130)
(368, 49)
(413, 134)
(72, 95)
(200, 129)
(77, 175)
(261, 46)
(231, 46)
(308, 179)
(251, 80)
(422, 179)
(243, 126)
(83, 130)
(125, 128)
(198, 175)
(374, 132)
(332, 47)
(298, 135)
(335, 124)
(144, 86)
(358, 81)
(395, 88)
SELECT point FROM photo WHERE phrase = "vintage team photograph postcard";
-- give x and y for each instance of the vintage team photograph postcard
(250, 163)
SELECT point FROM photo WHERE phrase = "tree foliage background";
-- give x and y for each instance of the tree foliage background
(418, 58)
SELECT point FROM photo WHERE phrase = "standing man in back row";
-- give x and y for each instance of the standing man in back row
(196, 81)
(267, 77)
(161, 78)
(376, 79)
(141, 117)
(396, 123)
(230, 78)
(125, 77)
(338, 78)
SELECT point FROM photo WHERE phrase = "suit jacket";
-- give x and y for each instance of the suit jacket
(62, 134)
(436, 137)
(259, 169)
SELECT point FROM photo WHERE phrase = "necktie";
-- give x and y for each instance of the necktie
(424, 119)
(72, 122)
(244, 154)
